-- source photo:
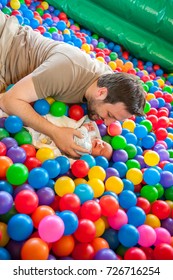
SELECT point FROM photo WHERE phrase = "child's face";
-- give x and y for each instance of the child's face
(101, 148)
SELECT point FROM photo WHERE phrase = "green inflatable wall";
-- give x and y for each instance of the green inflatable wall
(144, 28)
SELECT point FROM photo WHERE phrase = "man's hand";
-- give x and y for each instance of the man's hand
(63, 138)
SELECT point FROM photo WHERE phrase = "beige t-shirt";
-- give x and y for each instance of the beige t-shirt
(58, 69)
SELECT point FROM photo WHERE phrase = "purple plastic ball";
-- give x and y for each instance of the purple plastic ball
(51, 257)
(166, 179)
(105, 254)
(2, 121)
(21, 188)
(17, 154)
(102, 129)
(163, 154)
(168, 224)
(14, 248)
(120, 155)
(9, 142)
(46, 196)
(6, 202)
(110, 171)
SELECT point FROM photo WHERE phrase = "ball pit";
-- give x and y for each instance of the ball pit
(94, 209)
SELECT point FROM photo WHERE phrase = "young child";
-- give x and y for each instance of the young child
(91, 136)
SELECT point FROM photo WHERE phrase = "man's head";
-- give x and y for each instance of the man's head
(116, 96)
(101, 148)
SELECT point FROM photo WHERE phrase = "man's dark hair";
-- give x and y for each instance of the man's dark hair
(125, 88)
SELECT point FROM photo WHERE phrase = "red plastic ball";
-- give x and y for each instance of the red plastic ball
(144, 204)
(80, 168)
(161, 133)
(32, 162)
(163, 122)
(70, 202)
(134, 253)
(29, 149)
(26, 201)
(83, 251)
(3, 149)
(76, 112)
(148, 252)
(86, 231)
(90, 210)
(160, 209)
(109, 205)
(163, 251)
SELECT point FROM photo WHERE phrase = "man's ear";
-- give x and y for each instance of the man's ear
(102, 93)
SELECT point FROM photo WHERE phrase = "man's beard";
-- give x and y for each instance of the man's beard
(92, 113)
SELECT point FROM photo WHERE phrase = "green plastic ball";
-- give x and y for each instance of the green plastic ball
(23, 137)
(3, 133)
(131, 150)
(58, 109)
(133, 163)
(169, 193)
(17, 174)
(149, 192)
(118, 142)
(147, 124)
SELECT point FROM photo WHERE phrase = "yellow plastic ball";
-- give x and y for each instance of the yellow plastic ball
(50, 100)
(105, 219)
(100, 227)
(79, 181)
(114, 184)
(64, 185)
(45, 5)
(151, 158)
(97, 186)
(170, 203)
(15, 4)
(152, 221)
(134, 175)
(66, 31)
(5, 237)
(170, 135)
(100, 58)
(129, 124)
(161, 82)
(112, 64)
(150, 96)
(86, 47)
(45, 153)
(97, 172)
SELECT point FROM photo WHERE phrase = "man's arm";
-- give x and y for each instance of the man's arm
(17, 102)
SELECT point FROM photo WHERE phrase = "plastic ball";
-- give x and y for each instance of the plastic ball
(6, 202)
(64, 164)
(166, 179)
(86, 231)
(70, 202)
(163, 251)
(134, 175)
(151, 176)
(99, 243)
(3, 149)
(118, 142)
(161, 209)
(41, 212)
(83, 251)
(26, 201)
(4, 234)
(44, 153)
(151, 158)
(162, 236)
(119, 155)
(127, 199)
(5, 186)
(89, 159)
(135, 253)
(102, 162)
(23, 137)
(58, 108)
(84, 192)
(80, 168)
(5, 163)
(70, 221)
(17, 174)
(105, 254)
(29, 149)
(35, 249)
(4, 254)
(114, 128)
(42, 107)
(51, 228)
(168, 224)
(90, 210)
(118, 220)
(32, 162)
(52, 167)
(136, 216)
(13, 124)
(111, 236)
(22, 222)
(128, 235)
(113, 205)
(97, 186)
(149, 192)
(152, 220)
(38, 177)
(76, 112)
(64, 246)
(97, 172)
(9, 142)
(64, 185)
(46, 196)
(147, 236)
(114, 184)
(17, 154)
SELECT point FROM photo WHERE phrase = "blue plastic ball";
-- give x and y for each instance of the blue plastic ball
(13, 124)
(128, 235)
(136, 216)
(4, 254)
(111, 236)
(127, 199)
(89, 159)
(70, 220)
(38, 177)
(52, 167)
(102, 161)
(42, 107)
(5, 186)
(20, 227)
(64, 164)
(84, 192)
(151, 176)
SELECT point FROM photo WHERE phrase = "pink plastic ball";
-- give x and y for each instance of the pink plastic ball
(147, 236)
(114, 129)
(162, 236)
(118, 220)
(51, 228)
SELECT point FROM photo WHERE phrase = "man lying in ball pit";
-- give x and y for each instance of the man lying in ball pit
(41, 67)
(91, 140)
